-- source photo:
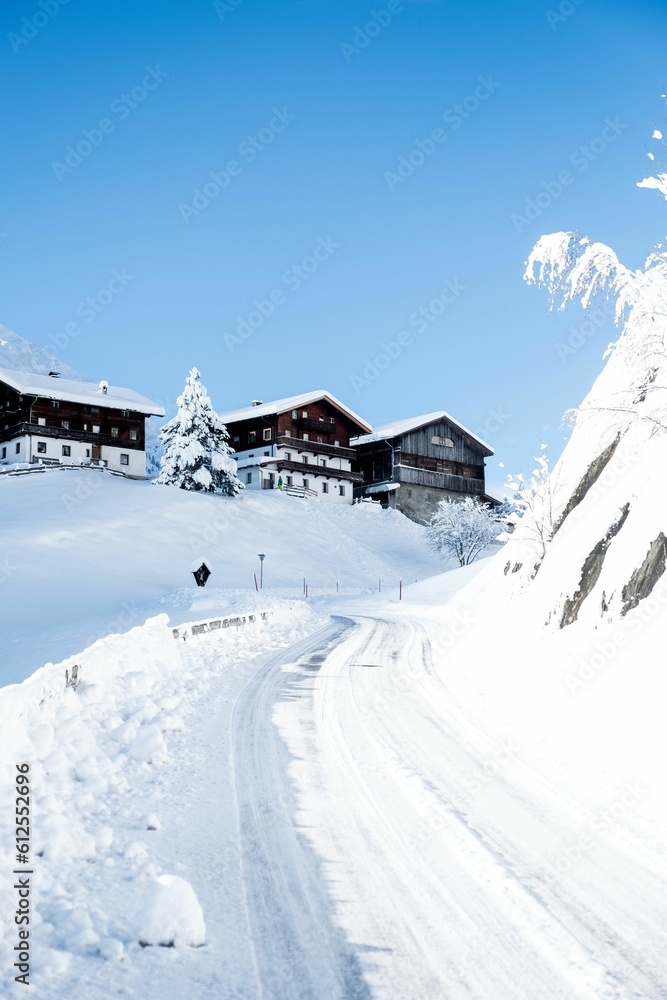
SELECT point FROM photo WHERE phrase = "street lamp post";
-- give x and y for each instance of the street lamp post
(262, 557)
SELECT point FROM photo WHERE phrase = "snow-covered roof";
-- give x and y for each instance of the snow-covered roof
(71, 391)
(399, 427)
(291, 403)
(383, 488)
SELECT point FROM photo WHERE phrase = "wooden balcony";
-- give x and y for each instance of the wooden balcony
(299, 445)
(320, 426)
(316, 470)
(439, 480)
(69, 434)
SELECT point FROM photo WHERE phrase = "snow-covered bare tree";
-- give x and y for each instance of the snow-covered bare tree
(197, 454)
(533, 501)
(608, 544)
(462, 529)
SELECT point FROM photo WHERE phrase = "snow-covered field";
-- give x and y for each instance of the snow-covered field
(85, 554)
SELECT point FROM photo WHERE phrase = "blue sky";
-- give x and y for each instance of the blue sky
(304, 112)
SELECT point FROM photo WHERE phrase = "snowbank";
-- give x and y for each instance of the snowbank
(99, 753)
(171, 914)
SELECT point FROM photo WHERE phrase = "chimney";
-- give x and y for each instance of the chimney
(256, 402)
(104, 387)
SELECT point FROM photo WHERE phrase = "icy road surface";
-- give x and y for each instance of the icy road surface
(385, 849)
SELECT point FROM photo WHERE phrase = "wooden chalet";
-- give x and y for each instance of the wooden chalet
(413, 464)
(300, 444)
(55, 421)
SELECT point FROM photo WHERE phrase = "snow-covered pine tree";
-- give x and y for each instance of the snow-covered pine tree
(197, 454)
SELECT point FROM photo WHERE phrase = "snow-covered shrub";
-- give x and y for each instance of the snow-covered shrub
(463, 528)
(171, 914)
(197, 454)
(533, 502)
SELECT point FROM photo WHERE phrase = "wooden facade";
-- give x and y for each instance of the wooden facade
(301, 444)
(44, 428)
(419, 463)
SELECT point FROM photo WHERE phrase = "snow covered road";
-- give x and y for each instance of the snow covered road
(350, 826)
(418, 863)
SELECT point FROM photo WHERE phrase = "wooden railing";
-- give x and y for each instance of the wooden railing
(299, 445)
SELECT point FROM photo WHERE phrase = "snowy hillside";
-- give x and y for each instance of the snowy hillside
(85, 554)
(602, 514)
(22, 355)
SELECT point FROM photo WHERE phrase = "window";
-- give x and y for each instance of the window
(18, 449)
(267, 454)
(64, 424)
(124, 459)
(305, 459)
(41, 447)
(85, 427)
(325, 487)
(287, 434)
(4, 453)
(248, 477)
(290, 480)
(236, 439)
(304, 414)
(87, 452)
(96, 428)
(288, 456)
(306, 484)
(67, 450)
(448, 443)
(341, 491)
(294, 414)
(252, 437)
(319, 438)
(55, 404)
(133, 435)
(332, 420)
(322, 419)
(114, 432)
(94, 409)
(124, 413)
(305, 437)
(41, 421)
(337, 443)
(266, 433)
(323, 461)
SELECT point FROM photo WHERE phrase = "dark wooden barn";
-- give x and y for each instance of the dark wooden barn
(413, 464)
